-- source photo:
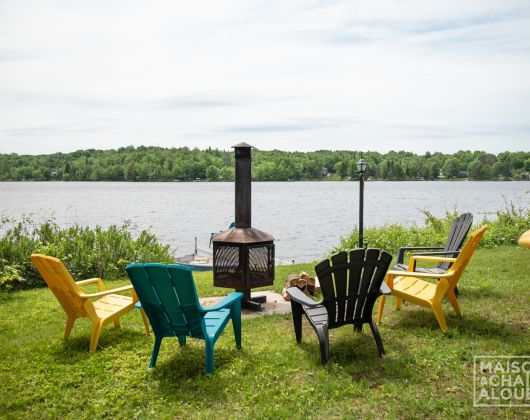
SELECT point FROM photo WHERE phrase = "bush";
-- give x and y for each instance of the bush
(505, 229)
(85, 251)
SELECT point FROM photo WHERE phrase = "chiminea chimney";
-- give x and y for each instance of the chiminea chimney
(243, 179)
(243, 257)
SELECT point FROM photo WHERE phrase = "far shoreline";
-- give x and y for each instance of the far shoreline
(260, 181)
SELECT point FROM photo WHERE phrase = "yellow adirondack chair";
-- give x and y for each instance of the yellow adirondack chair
(410, 286)
(77, 304)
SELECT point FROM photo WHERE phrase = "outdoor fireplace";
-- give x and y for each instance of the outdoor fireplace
(243, 257)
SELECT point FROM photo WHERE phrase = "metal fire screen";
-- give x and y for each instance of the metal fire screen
(243, 266)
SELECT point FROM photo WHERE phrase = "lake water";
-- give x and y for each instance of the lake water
(306, 218)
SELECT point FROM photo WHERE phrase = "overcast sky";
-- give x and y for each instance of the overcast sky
(292, 75)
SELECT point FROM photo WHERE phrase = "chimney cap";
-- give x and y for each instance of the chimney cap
(242, 144)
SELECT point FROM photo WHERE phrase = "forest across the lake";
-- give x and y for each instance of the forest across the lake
(184, 164)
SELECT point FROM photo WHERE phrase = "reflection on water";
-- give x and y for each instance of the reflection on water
(306, 218)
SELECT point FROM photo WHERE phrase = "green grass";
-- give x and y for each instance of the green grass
(425, 373)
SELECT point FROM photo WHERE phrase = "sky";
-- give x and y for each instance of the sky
(291, 75)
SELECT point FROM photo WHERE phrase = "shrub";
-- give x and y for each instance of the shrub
(505, 229)
(87, 252)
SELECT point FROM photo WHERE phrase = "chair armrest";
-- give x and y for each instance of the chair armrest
(225, 303)
(431, 258)
(101, 285)
(437, 253)
(384, 289)
(398, 273)
(300, 297)
(106, 292)
(403, 249)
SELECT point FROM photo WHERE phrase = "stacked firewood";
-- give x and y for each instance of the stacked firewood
(308, 285)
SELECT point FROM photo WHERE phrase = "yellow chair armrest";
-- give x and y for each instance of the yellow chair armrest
(432, 258)
(398, 273)
(97, 280)
(106, 292)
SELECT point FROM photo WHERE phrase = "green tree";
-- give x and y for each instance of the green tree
(212, 173)
(502, 169)
(450, 168)
(474, 169)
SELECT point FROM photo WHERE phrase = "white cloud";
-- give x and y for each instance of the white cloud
(413, 75)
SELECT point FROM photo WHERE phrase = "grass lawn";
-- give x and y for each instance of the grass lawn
(425, 373)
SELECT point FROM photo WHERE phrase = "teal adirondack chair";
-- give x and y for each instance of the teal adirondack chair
(168, 296)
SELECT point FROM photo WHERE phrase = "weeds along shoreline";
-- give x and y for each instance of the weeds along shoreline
(104, 252)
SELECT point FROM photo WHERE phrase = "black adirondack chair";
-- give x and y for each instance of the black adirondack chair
(459, 229)
(351, 282)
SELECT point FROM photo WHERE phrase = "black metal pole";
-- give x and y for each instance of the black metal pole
(361, 209)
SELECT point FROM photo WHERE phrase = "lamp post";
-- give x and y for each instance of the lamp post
(361, 168)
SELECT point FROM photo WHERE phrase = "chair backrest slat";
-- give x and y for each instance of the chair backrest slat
(169, 298)
(457, 235)
(340, 280)
(60, 282)
(355, 268)
(350, 284)
(458, 267)
(325, 276)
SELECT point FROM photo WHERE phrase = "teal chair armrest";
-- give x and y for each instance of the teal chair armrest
(225, 303)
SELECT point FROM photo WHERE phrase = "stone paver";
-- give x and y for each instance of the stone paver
(275, 304)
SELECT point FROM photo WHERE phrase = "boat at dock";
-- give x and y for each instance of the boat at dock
(200, 260)
(195, 263)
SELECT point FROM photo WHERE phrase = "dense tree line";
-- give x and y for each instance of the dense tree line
(162, 164)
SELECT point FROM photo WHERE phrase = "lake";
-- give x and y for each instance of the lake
(306, 218)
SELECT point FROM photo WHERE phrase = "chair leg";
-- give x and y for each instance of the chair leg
(117, 323)
(96, 332)
(399, 301)
(235, 313)
(156, 349)
(68, 329)
(380, 308)
(454, 301)
(377, 337)
(438, 313)
(323, 339)
(209, 357)
(182, 340)
(145, 320)
(457, 292)
(296, 310)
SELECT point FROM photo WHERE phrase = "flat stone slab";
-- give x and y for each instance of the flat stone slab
(275, 304)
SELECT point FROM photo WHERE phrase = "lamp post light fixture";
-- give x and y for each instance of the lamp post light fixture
(361, 168)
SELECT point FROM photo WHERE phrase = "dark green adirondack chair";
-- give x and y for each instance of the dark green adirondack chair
(168, 296)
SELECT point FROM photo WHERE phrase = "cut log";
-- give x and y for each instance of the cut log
(292, 279)
(308, 285)
(301, 283)
(311, 285)
(287, 285)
